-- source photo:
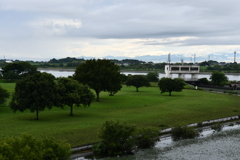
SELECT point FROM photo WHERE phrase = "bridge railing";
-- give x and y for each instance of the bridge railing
(185, 72)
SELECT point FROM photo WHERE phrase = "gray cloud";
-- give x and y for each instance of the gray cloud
(214, 22)
(140, 19)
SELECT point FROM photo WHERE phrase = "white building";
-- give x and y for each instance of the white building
(182, 70)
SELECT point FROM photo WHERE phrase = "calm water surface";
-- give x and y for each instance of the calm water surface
(59, 73)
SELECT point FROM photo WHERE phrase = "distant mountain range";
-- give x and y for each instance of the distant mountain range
(223, 57)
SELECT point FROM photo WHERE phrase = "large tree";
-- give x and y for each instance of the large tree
(218, 78)
(137, 81)
(35, 92)
(100, 75)
(153, 76)
(17, 70)
(4, 94)
(169, 85)
(72, 92)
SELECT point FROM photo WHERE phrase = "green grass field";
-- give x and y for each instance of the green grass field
(144, 108)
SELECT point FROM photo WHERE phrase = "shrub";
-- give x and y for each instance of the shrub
(117, 139)
(238, 123)
(199, 124)
(217, 127)
(163, 125)
(235, 110)
(203, 81)
(183, 132)
(146, 137)
(29, 148)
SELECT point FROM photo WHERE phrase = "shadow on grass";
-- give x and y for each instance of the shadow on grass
(51, 116)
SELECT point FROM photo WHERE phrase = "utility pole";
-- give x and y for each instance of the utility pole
(235, 57)
(169, 58)
(194, 58)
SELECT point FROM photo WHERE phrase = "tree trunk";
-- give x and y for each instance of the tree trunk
(136, 89)
(170, 93)
(71, 110)
(97, 93)
(37, 114)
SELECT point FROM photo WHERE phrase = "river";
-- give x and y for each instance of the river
(66, 73)
(220, 146)
(210, 145)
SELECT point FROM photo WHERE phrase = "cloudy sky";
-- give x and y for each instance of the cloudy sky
(45, 29)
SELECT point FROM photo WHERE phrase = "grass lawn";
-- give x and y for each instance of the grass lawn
(144, 108)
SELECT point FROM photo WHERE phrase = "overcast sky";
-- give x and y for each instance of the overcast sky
(45, 29)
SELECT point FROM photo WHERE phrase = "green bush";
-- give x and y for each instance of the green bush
(146, 137)
(183, 132)
(121, 139)
(199, 124)
(29, 148)
(117, 139)
(163, 125)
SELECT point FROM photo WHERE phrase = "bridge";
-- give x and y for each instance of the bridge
(182, 70)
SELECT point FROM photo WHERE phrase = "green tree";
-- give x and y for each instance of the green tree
(72, 92)
(4, 94)
(235, 66)
(137, 81)
(100, 75)
(217, 67)
(35, 92)
(152, 76)
(218, 78)
(203, 81)
(169, 85)
(17, 70)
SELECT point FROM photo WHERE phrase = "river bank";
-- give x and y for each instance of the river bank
(165, 136)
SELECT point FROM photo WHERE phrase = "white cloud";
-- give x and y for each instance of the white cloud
(56, 26)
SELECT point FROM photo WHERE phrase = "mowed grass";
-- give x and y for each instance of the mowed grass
(144, 108)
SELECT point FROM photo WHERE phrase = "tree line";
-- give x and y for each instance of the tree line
(133, 64)
(37, 91)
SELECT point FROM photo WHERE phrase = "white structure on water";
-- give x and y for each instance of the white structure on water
(182, 70)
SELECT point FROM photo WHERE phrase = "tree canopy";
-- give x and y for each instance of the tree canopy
(169, 85)
(218, 78)
(3, 95)
(17, 70)
(100, 75)
(153, 76)
(35, 92)
(137, 81)
(72, 92)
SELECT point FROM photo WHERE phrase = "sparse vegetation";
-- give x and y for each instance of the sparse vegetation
(30, 148)
(217, 127)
